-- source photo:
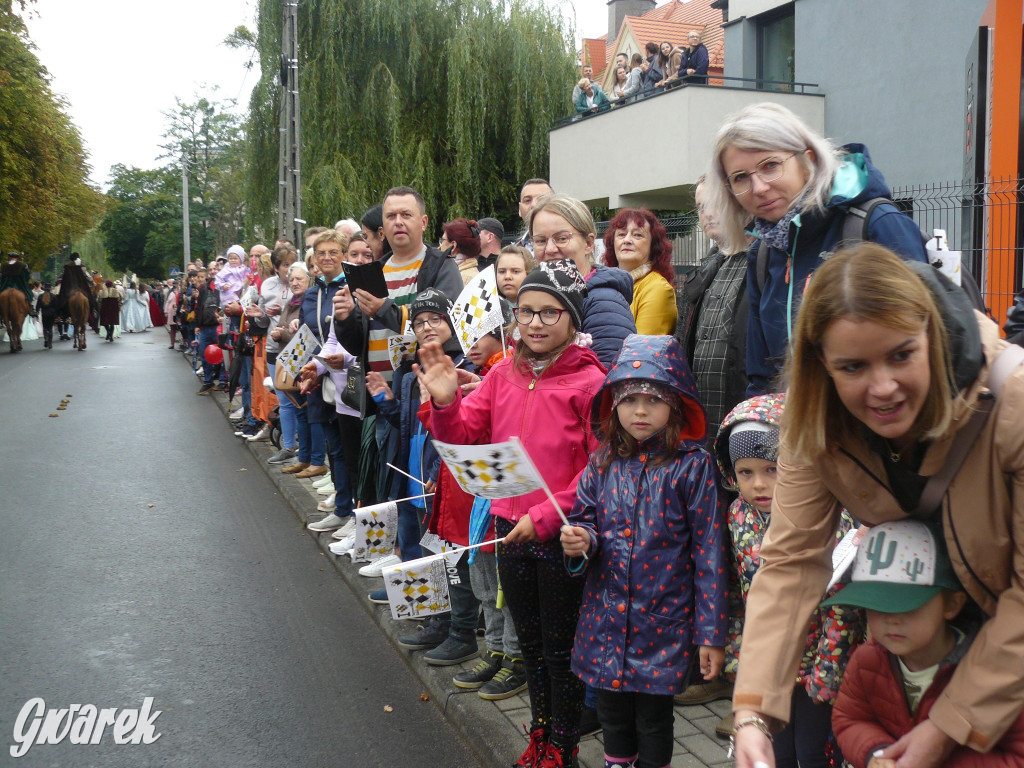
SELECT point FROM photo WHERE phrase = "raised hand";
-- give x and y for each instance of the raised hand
(375, 384)
(436, 374)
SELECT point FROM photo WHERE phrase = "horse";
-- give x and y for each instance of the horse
(13, 310)
(78, 309)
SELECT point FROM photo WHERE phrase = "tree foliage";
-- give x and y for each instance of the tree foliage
(44, 194)
(453, 97)
(142, 230)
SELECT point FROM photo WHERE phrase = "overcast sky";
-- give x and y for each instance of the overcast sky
(121, 63)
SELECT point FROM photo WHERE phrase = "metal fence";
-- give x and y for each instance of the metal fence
(985, 222)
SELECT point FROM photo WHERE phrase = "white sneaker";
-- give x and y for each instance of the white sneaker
(237, 414)
(342, 547)
(377, 566)
(327, 505)
(329, 523)
(261, 436)
(322, 480)
(348, 529)
(326, 490)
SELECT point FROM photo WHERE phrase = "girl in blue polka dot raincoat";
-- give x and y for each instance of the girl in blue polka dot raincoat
(649, 533)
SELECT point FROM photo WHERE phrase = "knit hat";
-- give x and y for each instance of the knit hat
(624, 389)
(899, 567)
(238, 250)
(432, 300)
(753, 440)
(562, 280)
(492, 225)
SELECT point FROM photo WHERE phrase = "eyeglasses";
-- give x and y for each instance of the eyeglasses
(768, 170)
(430, 322)
(559, 238)
(332, 254)
(525, 316)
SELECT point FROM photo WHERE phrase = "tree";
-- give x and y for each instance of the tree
(44, 195)
(206, 135)
(453, 97)
(142, 230)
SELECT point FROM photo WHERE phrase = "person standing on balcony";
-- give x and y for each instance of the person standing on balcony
(592, 99)
(669, 59)
(588, 74)
(693, 68)
(798, 187)
(652, 73)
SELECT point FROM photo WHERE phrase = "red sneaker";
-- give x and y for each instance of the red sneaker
(536, 750)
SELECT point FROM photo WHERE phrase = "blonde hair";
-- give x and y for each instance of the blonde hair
(865, 282)
(331, 236)
(576, 214)
(768, 127)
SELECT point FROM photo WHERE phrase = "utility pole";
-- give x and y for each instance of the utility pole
(185, 229)
(289, 199)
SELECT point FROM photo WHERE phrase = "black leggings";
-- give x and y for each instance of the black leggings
(637, 726)
(544, 601)
(805, 739)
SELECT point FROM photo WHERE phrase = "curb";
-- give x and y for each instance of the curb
(490, 729)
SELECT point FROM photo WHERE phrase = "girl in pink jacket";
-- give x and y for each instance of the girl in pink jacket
(542, 395)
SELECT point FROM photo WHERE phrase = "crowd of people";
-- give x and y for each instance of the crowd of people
(796, 481)
(662, 66)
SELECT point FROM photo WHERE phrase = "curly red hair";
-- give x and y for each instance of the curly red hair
(661, 247)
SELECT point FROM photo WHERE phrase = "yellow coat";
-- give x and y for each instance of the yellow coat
(654, 305)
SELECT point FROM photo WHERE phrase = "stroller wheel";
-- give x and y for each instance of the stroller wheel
(275, 435)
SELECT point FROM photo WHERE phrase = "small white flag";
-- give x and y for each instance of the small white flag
(418, 587)
(376, 531)
(298, 351)
(477, 310)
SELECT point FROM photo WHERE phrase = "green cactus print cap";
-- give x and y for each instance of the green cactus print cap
(899, 567)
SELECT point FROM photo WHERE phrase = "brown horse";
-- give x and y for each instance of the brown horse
(78, 309)
(13, 310)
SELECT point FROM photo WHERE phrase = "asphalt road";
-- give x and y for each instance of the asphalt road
(144, 553)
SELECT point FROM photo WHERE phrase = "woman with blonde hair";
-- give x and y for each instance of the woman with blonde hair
(798, 187)
(561, 227)
(890, 413)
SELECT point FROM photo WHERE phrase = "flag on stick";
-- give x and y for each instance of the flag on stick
(477, 310)
(298, 351)
(376, 531)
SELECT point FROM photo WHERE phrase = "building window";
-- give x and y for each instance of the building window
(776, 50)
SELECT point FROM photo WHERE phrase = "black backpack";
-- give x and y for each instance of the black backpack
(855, 230)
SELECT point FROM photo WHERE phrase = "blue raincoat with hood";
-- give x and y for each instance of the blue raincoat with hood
(812, 236)
(657, 569)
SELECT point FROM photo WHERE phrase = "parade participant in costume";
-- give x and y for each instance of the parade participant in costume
(15, 274)
(74, 277)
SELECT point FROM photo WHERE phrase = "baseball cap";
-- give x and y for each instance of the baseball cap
(899, 567)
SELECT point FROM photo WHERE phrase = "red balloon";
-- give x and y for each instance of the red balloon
(214, 355)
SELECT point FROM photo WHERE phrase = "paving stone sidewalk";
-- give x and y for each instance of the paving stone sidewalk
(495, 730)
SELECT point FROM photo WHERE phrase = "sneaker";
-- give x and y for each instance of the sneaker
(704, 693)
(327, 505)
(320, 482)
(262, 435)
(237, 413)
(507, 681)
(327, 489)
(536, 749)
(454, 650)
(429, 635)
(348, 530)
(206, 389)
(329, 523)
(293, 469)
(472, 679)
(559, 757)
(342, 547)
(246, 432)
(375, 568)
(220, 386)
(379, 596)
(282, 457)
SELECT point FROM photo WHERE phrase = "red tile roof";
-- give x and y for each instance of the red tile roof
(671, 21)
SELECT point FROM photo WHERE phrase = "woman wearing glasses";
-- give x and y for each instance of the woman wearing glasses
(561, 227)
(798, 187)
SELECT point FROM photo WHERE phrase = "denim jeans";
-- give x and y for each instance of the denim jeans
(287, 411)
(409, 535)
(207, 336)
(245, 384)
(343, 433)
(499, 629)
(310, 437)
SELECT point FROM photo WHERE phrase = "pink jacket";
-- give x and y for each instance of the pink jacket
(550, 415)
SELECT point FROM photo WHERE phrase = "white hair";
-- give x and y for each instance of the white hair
(298, 266)
(767, 127)
(348, 226)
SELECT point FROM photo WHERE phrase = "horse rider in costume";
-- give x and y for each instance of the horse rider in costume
(75, 276)
(15, 274)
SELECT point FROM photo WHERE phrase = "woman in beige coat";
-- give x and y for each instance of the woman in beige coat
(888, 366)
